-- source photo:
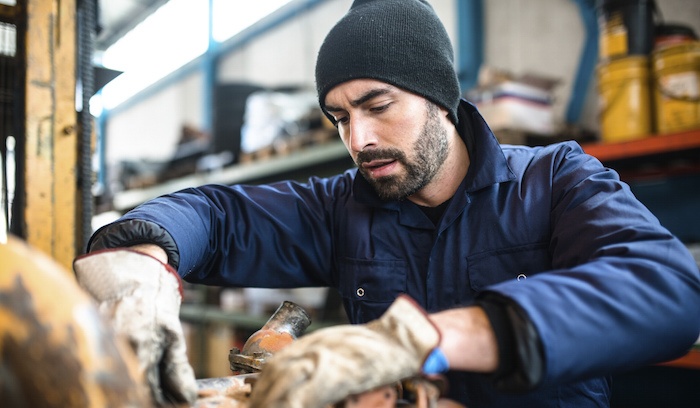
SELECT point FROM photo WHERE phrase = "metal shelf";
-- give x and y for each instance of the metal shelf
(240, 173)
(654, 157)
(653, 145)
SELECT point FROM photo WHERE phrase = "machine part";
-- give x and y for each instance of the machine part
(224, 392)
(55, 348)
(423, 393)
(416, 392)
(384, 397)
(284, 326)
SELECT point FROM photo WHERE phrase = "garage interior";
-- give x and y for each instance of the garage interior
(91, 124)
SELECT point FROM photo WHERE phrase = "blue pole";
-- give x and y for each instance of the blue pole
(589, 59)
(470, 51)
(209, 69)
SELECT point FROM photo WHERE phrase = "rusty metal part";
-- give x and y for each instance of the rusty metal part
(224, 392)
(427, 394)
(384, 397)
(423, 393)
(445, 403)
(55, 348)
(226, 385)
(416, 392)
(284, 326)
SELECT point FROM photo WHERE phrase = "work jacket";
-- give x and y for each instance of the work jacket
(600, 284)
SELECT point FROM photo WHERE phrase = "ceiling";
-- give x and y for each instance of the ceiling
(117, 17)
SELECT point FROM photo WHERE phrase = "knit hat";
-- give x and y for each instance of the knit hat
(400, 42)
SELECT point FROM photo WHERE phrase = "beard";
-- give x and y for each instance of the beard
(430, 151)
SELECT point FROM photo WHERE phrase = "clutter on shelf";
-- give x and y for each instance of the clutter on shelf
(648, 73)
(515, 102)
(251, 123)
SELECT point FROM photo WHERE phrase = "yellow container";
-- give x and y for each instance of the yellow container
(613, 37)
(626, 27)
(676, 72)
(624, 99)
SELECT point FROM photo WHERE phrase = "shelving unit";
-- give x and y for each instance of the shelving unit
(654, 156)
(690, 360)
(653, 145)
(330, 156)
(621, 155)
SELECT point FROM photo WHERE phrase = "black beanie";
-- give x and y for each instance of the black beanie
(400, 42)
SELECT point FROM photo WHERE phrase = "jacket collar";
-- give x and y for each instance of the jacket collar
(488, 163)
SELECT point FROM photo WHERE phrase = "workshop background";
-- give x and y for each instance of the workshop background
(105, 104)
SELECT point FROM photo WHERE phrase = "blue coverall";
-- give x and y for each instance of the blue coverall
(591, 282)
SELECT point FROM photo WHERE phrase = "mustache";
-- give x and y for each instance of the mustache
(380, 154)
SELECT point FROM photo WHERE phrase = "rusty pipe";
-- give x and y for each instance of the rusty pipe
(284, 326)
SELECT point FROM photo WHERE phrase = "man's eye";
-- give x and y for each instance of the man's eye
(381, 108)
(342, 119)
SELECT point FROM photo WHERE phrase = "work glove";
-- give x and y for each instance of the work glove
(141, 297)
(330, 364)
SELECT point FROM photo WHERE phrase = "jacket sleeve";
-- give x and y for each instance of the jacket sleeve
(275, 235)
(623, 291)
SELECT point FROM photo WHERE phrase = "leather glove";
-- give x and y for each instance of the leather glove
(330, 364)
(141, 297)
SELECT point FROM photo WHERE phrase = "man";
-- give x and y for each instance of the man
(541, 273)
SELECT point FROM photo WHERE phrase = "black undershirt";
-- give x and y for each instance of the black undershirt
(434, 213)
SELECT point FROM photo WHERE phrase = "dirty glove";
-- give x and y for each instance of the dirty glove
(141, 297)
(330, 364)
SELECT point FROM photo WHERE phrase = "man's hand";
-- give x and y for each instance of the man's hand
(331, 364)
(141, 296)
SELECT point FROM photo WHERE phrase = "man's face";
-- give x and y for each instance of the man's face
(397, 139)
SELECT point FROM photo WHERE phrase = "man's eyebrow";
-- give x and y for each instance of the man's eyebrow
(373, 93)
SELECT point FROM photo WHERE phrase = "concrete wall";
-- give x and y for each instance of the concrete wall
(150, 129)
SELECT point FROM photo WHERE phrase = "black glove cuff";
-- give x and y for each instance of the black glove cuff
(134, 232)
(521, 359)
(505, 337)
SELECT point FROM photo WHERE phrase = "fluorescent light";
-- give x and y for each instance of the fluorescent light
(165, 41)
(230, 17)
(171, 37)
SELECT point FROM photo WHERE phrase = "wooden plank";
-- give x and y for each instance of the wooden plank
(51, 136)
(39, 126)
(65, 134)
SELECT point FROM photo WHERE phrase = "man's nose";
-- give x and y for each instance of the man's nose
(362, 134)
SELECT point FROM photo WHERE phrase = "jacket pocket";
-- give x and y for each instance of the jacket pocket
(368, 287)
(500, 265)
